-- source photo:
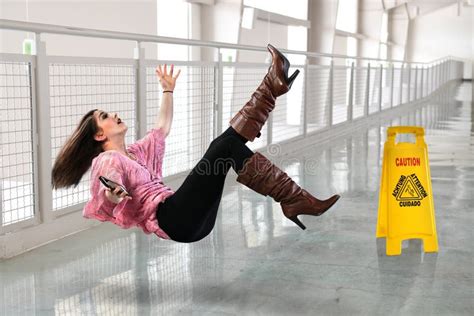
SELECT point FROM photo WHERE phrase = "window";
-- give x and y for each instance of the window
(347, 13)
(295, 8)
(347, 16)
(173, 21)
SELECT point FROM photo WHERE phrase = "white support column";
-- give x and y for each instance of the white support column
(367, 92)
(350, 106)
(44, 132)
(141, 110)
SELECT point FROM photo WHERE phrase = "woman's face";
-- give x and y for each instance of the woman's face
(109, 124)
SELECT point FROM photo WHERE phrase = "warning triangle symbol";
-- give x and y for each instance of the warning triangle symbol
(409, 191)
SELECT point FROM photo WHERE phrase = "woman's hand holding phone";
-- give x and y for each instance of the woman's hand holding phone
(114, 191)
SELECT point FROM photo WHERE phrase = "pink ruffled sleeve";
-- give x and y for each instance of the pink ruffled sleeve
(151, 149)
(100, 207)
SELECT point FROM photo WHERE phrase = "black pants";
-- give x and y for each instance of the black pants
(190, 214)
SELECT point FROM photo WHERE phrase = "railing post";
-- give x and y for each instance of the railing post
(220, 96)
(380, 88)
(392, 80)
(141, 115)
(43, 124)
(400, 100)
(445, 71)
(367, 92)
(437, 75)
(34, 188)
(270, 128)
(426, 79)
(409, 83)
(305, 99)
(415, 94)
(350, 105)
(441, 74)
(449, 70)
(422, 82)
(431, 79)
(433, 83)
(331, 92)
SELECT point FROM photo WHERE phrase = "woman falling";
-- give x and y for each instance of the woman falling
(189, 213)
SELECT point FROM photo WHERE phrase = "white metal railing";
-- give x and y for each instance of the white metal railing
(43, 97)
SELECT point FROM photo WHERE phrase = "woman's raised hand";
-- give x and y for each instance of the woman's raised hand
(167, 80)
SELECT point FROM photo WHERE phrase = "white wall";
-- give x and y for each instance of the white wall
(124, 16)
(442, 33)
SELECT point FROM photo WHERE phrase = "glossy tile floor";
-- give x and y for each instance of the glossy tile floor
(258, 262)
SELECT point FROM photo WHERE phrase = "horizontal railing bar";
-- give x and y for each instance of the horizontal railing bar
(6, 57)
(156, 62)
(78, 31)
(91, 60)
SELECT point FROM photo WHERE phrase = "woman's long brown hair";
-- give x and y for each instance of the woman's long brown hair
(75, 157)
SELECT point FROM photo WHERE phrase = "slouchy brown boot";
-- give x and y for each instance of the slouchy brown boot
(262, 176)
(249, 120)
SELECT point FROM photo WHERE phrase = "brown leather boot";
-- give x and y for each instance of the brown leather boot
(262, 176)
(249, 120)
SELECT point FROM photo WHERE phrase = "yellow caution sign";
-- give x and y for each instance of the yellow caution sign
(406, 209)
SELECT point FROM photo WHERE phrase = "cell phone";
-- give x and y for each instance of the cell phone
(112, 185)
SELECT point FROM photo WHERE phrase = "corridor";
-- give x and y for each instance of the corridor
(258, 262)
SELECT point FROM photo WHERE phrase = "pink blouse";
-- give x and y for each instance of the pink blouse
(142, 179)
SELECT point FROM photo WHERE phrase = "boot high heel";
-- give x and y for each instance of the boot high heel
(279, 71)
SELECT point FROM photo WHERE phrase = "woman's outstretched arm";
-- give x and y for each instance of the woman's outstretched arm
(168, 82)
(165, 116)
